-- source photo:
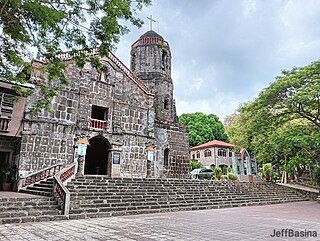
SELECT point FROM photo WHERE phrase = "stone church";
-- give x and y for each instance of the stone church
(122, 112)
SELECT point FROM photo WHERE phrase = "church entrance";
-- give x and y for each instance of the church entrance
(97, 157)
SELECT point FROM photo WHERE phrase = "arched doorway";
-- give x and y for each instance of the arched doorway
(97, 157)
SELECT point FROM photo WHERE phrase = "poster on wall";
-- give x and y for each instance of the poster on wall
(82, 149)
(116, 158)
(150, 156)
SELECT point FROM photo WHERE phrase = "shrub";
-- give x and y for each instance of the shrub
(194, 165)
(231, 176)
(267, 169)
(218, 172)
(214, 177)
(225, 170)
(224, 177)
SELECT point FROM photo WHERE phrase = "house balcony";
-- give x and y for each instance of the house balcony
(4, 124)
(96, 124)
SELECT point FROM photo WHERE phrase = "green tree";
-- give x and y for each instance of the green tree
(203, 128)
(296, 92)
(194, 165)
(47, 27)
(281, 125)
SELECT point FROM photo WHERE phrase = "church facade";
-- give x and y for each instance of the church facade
(122, 112)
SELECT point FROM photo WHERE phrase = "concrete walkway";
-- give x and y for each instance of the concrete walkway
(244, 223)
(300, 187)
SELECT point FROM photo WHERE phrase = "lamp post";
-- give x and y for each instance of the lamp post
(150, 147)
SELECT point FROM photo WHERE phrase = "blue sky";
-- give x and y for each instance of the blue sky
(224, 52)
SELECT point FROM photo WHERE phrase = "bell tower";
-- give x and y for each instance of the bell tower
(151, 63)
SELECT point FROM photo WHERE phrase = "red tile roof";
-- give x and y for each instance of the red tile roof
(211, 144)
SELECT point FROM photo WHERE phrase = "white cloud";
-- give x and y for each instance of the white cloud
(249, 7)
(225, 52)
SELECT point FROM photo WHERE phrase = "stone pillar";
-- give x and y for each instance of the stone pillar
(242, 167)
(234, 164)
(249, 171)
(255, 166)
(148, 169)
(80, 171)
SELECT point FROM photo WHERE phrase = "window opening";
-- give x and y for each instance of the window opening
(166, 157)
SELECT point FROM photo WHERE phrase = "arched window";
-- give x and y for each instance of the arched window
(222, 152)
(166, 157)
(193, 156)
(166, 104)
(198, 154)
(207, 153)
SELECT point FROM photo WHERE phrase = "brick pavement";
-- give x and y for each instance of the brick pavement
(244, 223)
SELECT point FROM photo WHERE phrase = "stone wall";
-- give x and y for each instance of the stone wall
(134, 160)
(175, 138)
(129, 113)
(48, 137)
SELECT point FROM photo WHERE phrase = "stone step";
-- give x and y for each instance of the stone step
(40, 206)
(31, 212)
(97, 196)
(32, 219)
(40, 188)
(102, 199)
(127, 210)
(44, 184)
(36, 192)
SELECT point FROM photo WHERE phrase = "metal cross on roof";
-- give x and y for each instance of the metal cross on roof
(151, 20)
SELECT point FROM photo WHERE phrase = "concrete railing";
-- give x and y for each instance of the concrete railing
(37, 176)
(60, 190)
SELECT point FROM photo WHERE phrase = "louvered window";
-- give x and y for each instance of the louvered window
(6, 105)
(6, 108)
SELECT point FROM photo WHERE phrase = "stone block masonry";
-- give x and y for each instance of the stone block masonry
(119, 113)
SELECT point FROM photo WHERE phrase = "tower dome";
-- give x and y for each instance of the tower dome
(151, 34)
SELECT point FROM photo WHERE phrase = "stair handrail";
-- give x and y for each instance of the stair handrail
(60, 191)
(39, 175)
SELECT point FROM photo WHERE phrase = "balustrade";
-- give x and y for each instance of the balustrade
(61, 192)
(39, 175)
(97, 124)
(4, 124)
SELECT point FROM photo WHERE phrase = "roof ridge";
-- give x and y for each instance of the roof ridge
(116, 60)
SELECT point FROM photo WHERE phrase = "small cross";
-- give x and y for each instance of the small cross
(151, 20)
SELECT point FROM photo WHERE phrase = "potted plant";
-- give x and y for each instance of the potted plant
(266, 171)
(291, 169)
(5, 173)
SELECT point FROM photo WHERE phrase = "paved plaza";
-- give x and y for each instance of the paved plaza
(245, 223)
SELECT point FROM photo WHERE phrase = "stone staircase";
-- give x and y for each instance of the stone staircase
(40, 206)
(42, 188)
(29, 209)
(99, 196)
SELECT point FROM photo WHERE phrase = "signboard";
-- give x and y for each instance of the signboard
(150, 156)
(116, 158)
(82, 149)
